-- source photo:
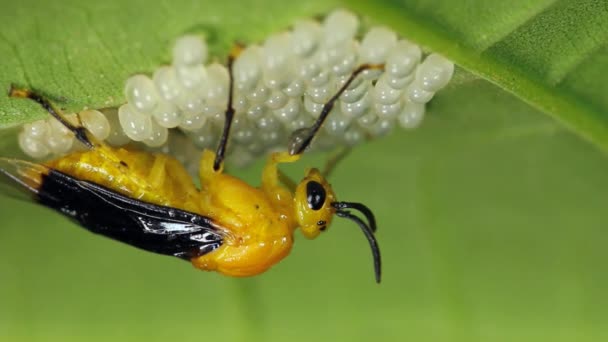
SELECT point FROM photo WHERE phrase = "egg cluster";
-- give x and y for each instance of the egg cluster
(279, 87)
(43, 138)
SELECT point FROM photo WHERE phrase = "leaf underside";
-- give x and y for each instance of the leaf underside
(80, 53)
(552, 54)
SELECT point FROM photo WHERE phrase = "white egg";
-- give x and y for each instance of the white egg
(247, 68)
(295, 88)
(289, 111)
(32, 146)
(192, 121)
(217, 87)
(358, 108)
(403, 59)
(136, 125)
(167, 84)
(416, 93)
(37, 129)
(376, 45)
(205, 137)
(96, 123)
(189, 50)
(388, 112)
(277, 61)
(305, 37)
(351, 95)
(276, 100)
(256, 111)
(60, 143)
(192, 77)
(259, 94)
(167, 114)
(158, 137)
(300, 121)
(384, 94)
(243, 131)
(368, 119)
(191, 102)
(338, 27)
(268, 123)
(336, 124)
(412, 115)
(311, 107)
(434, 73)
(320, 94)
(117, 136)
(141, 93)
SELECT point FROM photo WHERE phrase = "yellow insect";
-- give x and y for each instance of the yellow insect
(149, 200)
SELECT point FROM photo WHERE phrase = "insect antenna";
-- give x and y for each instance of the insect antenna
(369, 234)
(371, 220)
(229, 113)
(79, 132)
(301, 138)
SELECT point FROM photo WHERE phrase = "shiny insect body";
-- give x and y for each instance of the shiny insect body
(150, 201)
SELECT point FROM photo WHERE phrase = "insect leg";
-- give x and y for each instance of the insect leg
(79, 132)
(229, 114)
(302, 138)
(157, 175)
(273, 180)
(334, 160)
(167, 175)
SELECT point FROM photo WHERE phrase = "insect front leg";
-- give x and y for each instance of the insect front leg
(274, 182)
(169, 176)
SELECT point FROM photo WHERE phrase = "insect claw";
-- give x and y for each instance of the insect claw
(299, 140)
(18, 92)
(237, 49)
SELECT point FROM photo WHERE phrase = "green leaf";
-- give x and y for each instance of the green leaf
(552, 54)
(80, 53)
(492, 219)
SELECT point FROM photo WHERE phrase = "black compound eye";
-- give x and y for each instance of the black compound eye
(315, 195)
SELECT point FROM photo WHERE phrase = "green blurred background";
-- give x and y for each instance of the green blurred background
(491, 224)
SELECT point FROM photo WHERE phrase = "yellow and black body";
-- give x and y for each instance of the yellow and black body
(149, 200)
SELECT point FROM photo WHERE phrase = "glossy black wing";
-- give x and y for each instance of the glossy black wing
(151, 227)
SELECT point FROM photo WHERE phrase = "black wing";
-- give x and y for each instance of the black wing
(151, 227)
